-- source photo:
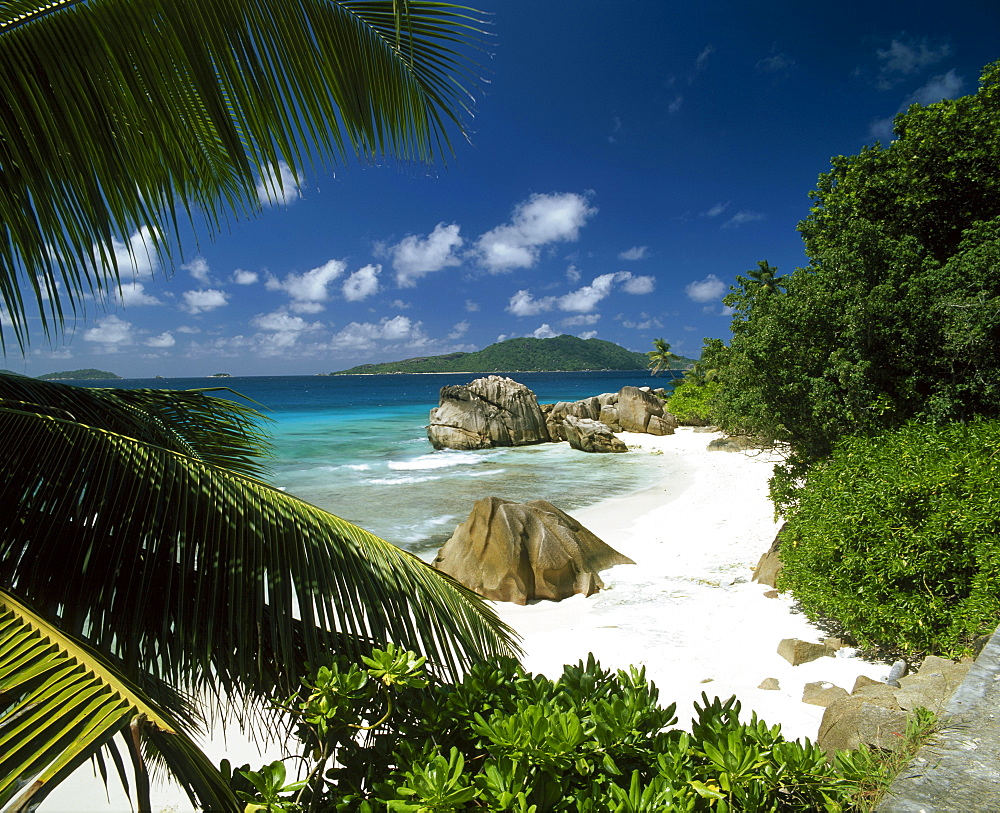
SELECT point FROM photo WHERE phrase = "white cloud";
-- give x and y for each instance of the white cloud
(716, 210)
(459, 330)
(110, 330)
(585, 299)
(647, 323)
(544, 332)
(536, 222)
(581, 319)
(362, 284)
(903, 59)
(676, 104)
(136, 258)
(709, 289)
(573, 275)
(365, 335)
(745, 216)
(639, 285)
(308, 290)
(198, 268)
(188, 329)
(241, 277)
(775, 63)
(280, 321)
(400, 305)
(165, 339)
(524, 304)
(635, 253)
(588, 334)
(135, 294)
(277, 186)
(207, 299)
(471, 306)
(946, 86)
(414, 257)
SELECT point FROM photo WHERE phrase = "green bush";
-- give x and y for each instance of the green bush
(592, 741)
(692, 402)
(897, 537)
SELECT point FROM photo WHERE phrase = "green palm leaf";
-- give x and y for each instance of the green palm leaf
(197, 571)
(116, 114)
(60, 702)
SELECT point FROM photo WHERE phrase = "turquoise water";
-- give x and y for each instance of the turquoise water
(357, 446)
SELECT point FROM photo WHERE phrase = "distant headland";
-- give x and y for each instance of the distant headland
(559, 354)
(89, 374)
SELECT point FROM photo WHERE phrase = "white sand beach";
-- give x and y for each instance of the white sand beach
(686, 610)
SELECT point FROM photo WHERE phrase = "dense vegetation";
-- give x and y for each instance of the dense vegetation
(88, 374)
(561, 353)
(502, 739)
(872, 367)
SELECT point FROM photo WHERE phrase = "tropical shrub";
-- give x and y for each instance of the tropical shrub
(503, 739)
(691, 402)
(895, 537)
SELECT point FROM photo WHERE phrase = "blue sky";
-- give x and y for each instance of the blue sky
(627, 161)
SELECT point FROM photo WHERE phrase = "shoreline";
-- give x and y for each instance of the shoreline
(687, 610)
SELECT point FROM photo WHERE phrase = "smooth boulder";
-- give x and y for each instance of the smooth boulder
(488, 412)
(639, 410)
(518, 552)
(589, 435)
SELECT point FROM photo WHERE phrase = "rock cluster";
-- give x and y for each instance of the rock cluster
(497, 411)
(517, 552)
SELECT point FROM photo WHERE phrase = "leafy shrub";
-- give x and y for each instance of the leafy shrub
(592, 741)
(895, 537)
(692, 403)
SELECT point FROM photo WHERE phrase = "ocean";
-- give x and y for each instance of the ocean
(356, 446)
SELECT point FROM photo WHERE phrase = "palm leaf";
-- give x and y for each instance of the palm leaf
(115, 115)
(198, 572)
(60, 702)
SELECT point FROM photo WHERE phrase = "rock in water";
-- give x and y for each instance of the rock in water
(488, 412)
(509, 551)
(591, 436)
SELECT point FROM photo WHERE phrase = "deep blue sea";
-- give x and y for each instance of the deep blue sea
(357, 446)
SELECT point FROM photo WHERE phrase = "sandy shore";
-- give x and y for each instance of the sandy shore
(686, 610)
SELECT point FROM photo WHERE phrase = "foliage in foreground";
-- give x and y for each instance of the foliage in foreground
(505, 740)
(895, 537)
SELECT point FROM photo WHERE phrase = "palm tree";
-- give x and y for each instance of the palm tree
(660, 357)
(144, 564)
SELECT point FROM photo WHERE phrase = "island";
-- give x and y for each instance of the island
(88, 374)
(559, 354)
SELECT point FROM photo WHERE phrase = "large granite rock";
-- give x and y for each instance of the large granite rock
(769, 565)
(589, 435)
(488, 412)
(556, 413)
(639, 410)
(517, 552)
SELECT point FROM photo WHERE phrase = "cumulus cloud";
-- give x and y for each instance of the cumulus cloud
(400, 305)
(241, 277)
(414, 257)
(198, 268)
(581, 319)
(709, 289)
(716, 210)
(544, 332)
(946, 86)
(745, 216)
(646, 322)
(459, 330)
(200, 301)
(365, 335)
(588, 334)
(110, 330)
(582, 300)
(362, 284)
(471, 306)
(308, 290)
(136, 258)
(135, 294)
(635, 253)
(165, 339)
(536, 222)
(281, 331)
(277, 186)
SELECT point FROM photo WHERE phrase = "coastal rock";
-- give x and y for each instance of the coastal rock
(858, 719)
(769, 564)
(555, 414)
(821, 693)
(797, 652)
(518, 552)
(637, 409)
(488, 412)
(735, 443)
(589, 435)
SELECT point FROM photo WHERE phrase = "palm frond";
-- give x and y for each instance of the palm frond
(115, 116)
(198, 572)
(61, 702)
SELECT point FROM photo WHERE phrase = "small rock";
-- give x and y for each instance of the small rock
(833, 643)
(771, 594)
(823, 694)
(899, 669)
(797, 652)
(863, 681)
(771, 684)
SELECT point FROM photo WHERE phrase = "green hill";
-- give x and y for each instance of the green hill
(560, 354)
(79, 375)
